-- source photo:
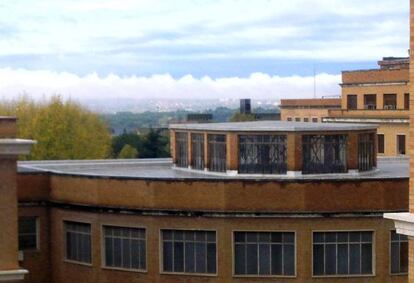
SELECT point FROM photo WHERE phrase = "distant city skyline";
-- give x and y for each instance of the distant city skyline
(193, 49)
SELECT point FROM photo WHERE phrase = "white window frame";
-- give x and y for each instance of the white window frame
(161, 252)
(258, 275)
(103, 254)
(347, 275)
(65, 259)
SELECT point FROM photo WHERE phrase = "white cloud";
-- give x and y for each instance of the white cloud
(39, 84)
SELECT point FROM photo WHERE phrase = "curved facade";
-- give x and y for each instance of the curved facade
(154, 221)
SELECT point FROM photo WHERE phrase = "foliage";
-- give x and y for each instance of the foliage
(62, 129)
(128, 152)
(239, 117)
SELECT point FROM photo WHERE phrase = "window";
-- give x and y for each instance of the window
(289, 119)
(217, 153)
(78, 241)
(399, 253)
(342, 253)
(381, 143)
(390, 101)
(125, 247)
(324, 154)
(27, 233)
(297, 119)
(197, 151)
(264, 253)
(406, 101)
(401, 144)
(263, 154)
(181, 149)
(370, 101)
(306, 120)
(365, 152)
(352, 102)
(314, 120)
(189, 251)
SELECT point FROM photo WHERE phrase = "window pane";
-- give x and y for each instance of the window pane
(178, 257)
(264, 259)
(126, 253)
(355, 259)
(117, 252)
(289, 259)
(277, 265)
(240, 259)
(201, 257)
(211, 258)
(330, 257)
(251, 256)
(135, 254)
(404, 257)
(366, 259)
(318, 259)
(189, 257)
(343, 258)
(167, 257)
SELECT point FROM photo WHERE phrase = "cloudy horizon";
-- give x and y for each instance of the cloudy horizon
(192, 48)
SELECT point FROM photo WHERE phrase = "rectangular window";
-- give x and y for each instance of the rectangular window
(342, 253)
(406, 101)
(305, 119)
(297, 119)
(370, 101)
(78, 241)
(366, 152)
(125, 247)
(217, 153)
(289, 119)
(181, 149)
(314, 120)
(390, 101)
(28, 233)
(197, 151)
(401, 144)
(381, 143)
(399, 253)
(352, 102)
(189, 251)
(262, 154)
(324, 154)
(264, 253)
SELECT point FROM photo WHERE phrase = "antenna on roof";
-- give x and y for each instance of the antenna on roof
(314, 81)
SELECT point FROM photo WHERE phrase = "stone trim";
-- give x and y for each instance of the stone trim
(404, 222)
(15, 146)
(12, 275)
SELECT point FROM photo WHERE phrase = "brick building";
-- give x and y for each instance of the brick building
(377, 96)
(238, 202)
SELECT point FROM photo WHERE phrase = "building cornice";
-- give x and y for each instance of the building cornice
(12, 275)
(374, 84)
(404, 222)
(366, 120)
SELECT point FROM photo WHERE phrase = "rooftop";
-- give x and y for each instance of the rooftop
(161, 169)
(272, 126)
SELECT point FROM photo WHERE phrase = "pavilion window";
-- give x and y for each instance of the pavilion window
(262, 154)
(370, 101)
(324, 154)
(366, 144)
(352, 101)
(390, 101)
(217, 153)
(197, 151)
(181, 149)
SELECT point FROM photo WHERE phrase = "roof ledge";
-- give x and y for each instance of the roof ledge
(12, 275)
(404, 222)
(15, 146)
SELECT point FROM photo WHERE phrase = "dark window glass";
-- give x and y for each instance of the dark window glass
(314, 120)
(370, 101)
(401, 144)
(217, 153)
(399, 253)
(381, 143)
(406, 101)
(27, 233)
(264, 253)
(342, 253)
(352, 102)
(289, 119)
(366, 152)
(197, 151)
(181, 149)
(324, 154)
(125, 247)
(263, 154)
(390, 101)
(297, 119)
(189, 251)
(305, 120)
(78, 241)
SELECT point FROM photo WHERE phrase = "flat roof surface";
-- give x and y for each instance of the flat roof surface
(272, 126)
(388, 168)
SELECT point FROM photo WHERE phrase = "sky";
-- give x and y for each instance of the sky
(193, 48)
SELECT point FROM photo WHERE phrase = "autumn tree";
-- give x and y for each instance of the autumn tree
(239, 117)
(128, 152)
(62, 129)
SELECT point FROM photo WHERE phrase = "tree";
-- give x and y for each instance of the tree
(154, 145)
(239, 117)
(132, 139)
(128, 152)
(62, 129)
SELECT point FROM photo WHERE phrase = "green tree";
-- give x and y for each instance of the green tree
(128, 152)
(239, 117)
(132, 139)
(154, 145)
(62, 129)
